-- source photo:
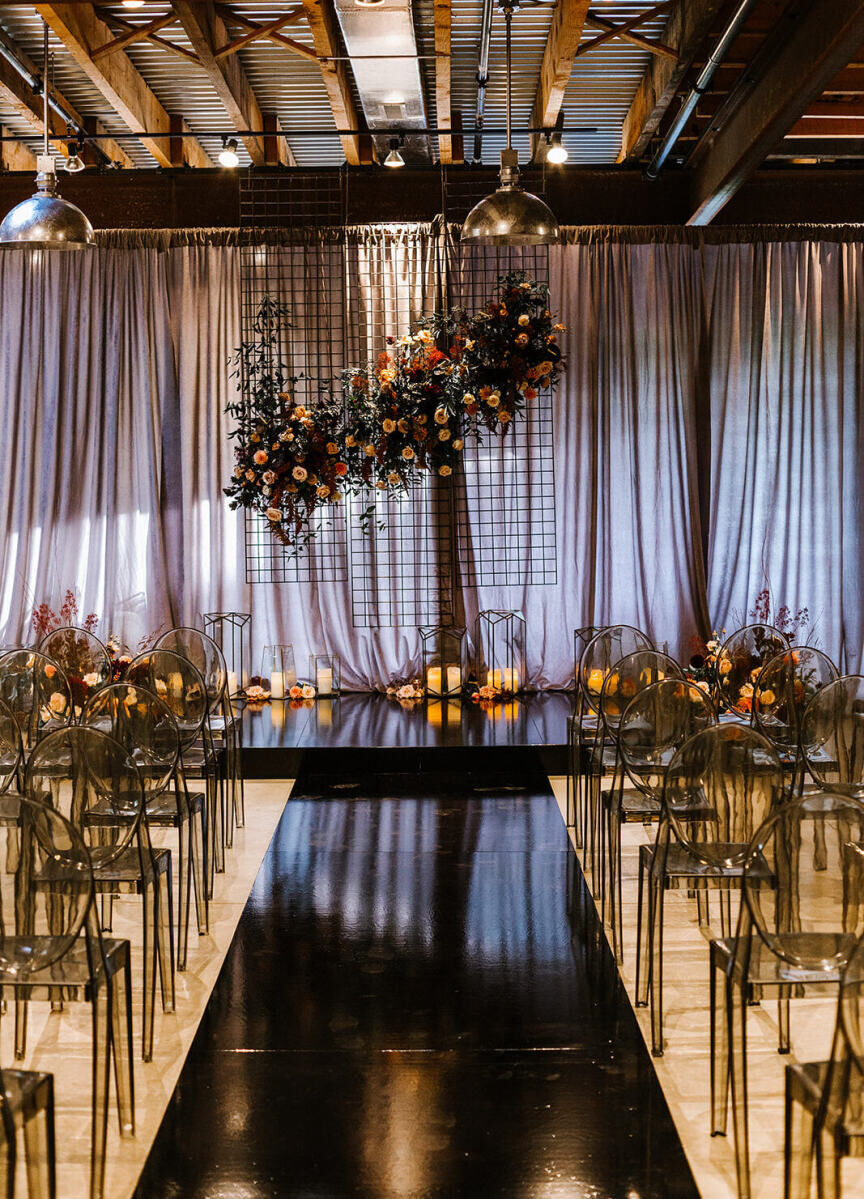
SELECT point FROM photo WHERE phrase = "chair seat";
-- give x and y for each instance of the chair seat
(767, 968)
(127, 867)
(27, 1090)
(635, 806)
(683, 863)
(169, 808)
(71, 971)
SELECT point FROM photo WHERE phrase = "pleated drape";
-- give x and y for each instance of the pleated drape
(708, 436)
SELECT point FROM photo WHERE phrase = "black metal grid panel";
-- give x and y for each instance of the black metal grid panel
(402, 559)
(306, 273)
(505, 498)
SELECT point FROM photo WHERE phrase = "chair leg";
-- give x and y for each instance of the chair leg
(784, 1021)
(798, 1149)
(643, 935)
(165, 935)
(655, 922)
(737, 1004)
(720, 1068)
(827, 1166)
(20, 1024)
(8, 1158)
(184, 883)
(101, 1074)
(150, 916)
(121, 1044)
(39, 1146)
(196, 822)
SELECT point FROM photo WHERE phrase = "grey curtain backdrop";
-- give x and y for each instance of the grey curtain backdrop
(708, 438)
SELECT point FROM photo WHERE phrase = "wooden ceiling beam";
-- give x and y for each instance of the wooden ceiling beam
(15, 156)
(18, 94)
(565, 33)
(81, 31)
(262, 31)
(625, 31)
(277, 152)
(206, 31)
(687, 28)
(228, 15)
(444, 115)
(130, 27)
(823, 37)
(134, 35)
(328, 48)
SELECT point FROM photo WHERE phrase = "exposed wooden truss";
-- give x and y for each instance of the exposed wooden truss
(325, 35)
(824, 35)
(687, 29)
(252, 35)
(230, 17)
(443, 17)
(559, 55)
(155, 38)
(81, 31)
(625, 31)
(133, 35)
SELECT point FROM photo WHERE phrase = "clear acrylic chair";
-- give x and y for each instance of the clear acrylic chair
(655, 724)
(832, 736)
(784, 688)
(825, 1100)
(798, 924)
(93, 779)
(224, 728)
(145, 725)
(631, 674)
(719, 788)
(740, 660)
(84, 659)
(37, 691)
(601, 653)
(51, 949)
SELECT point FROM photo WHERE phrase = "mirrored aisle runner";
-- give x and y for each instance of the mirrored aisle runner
(419, 1002)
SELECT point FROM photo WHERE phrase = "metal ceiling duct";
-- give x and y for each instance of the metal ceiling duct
(511, 216)
(46, 221)
(382, 47)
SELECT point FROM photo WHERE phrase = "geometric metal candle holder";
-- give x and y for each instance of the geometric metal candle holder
(443, 649)
(325, 671)
(232, 632)
(499, 650)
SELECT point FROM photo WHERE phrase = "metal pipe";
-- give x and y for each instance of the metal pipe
(36, 85)
(45, 88)
(428, 131)
(482, 76)
(733, 27)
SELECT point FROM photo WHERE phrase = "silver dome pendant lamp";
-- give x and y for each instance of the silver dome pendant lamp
(46, 221)
(510, 216)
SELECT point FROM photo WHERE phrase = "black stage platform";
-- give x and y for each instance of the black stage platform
(279, 740)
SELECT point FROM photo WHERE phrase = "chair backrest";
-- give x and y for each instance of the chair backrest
(174, 679)
(654, 726)
(85, 660)
(785, 686)
(46, 894)
(720, 786)
(37, 692)
(601, 653)
(141, 722)
(851, 1007)
(95, 782)
(630, 674)
(803, 881)
(832, 735)
(204, 654)
(11, 747)
(740, 660)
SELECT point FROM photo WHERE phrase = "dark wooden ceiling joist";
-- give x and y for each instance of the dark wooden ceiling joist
(262, 31)
(230, 17)
(687, 29)
(626, 31)
(565, 33)
(823, 36)
(81, 31)
(328, 48)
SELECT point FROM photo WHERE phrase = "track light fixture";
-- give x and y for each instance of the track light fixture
(394, 158)
(228, 156)
(556, 151)
(74, 162)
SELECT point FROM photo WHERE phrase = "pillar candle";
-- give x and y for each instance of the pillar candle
(433, 680)
(454, 679)
(277, 685)
(325, 680)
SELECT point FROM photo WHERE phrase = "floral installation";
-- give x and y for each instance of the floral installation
(509, 352)
(288, 457)
(485, 694)
(303, 692)
(702, 667)
(257, 692)
(408, 693)
(790, 623)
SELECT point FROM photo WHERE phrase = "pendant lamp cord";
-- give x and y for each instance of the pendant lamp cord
(508, 17)
(45, 87)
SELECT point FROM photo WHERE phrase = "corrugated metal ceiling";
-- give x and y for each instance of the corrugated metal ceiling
(599, 94)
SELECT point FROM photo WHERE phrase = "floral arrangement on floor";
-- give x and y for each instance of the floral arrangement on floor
(450, 377)
(301, 695)
(257, 692)
(510, 352)
(485, 695)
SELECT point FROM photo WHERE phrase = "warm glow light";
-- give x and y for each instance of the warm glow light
(394, 158)
(228, 156)
(557, 153)
(133, 3)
